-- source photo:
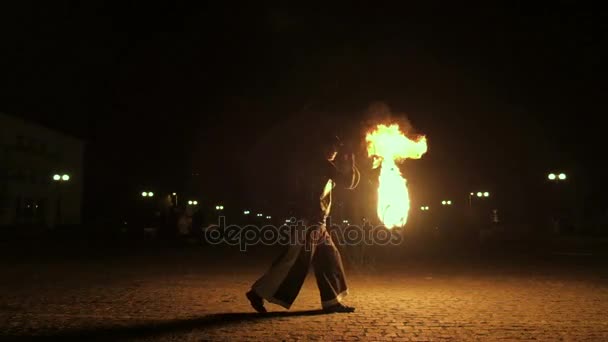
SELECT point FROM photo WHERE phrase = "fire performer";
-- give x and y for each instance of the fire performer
(283, 281)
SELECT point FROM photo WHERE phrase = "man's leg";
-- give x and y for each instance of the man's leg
(329, 272)
(283, 281)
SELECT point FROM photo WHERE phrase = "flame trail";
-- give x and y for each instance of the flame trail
(387, 145)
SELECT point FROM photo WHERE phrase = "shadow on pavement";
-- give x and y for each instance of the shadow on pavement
(112, 333)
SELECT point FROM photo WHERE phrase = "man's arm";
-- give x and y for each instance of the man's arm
(344, 170)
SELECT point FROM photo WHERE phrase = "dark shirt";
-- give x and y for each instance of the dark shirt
(320, 178)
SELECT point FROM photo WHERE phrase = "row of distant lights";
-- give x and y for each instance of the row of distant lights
(551, 176)
(449, 202)
(444, 202)
(247, 212)
(194, 202)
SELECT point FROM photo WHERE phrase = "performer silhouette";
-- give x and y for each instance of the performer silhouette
(283, 280)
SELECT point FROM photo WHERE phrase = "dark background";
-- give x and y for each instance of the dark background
(206, 99)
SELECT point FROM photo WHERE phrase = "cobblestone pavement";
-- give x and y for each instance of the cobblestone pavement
(193, 298)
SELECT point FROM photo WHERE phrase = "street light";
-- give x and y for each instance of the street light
(479, 194)
(195, 202)
(58, 179)
(260, 215)
(63, 178)
(268, 217)
(246, 212)
(189, 202)
(557, 177)
(144, 194)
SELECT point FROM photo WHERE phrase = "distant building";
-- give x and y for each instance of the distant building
(41, 175)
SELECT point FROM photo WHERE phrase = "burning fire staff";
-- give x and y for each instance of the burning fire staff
(283, 281)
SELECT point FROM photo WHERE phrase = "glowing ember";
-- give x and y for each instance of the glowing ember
(387, 145)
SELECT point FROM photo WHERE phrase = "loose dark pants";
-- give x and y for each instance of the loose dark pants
(283, 281)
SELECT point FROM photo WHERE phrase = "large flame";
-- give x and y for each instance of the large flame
(387, 145)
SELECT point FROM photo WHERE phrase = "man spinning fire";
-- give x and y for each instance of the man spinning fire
(284, 279)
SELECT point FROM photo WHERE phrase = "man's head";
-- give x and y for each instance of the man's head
(330, 148)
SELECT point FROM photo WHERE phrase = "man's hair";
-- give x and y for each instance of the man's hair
(330, 141)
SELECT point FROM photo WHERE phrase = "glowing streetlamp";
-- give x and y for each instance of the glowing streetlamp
(246, 212)
(479, 194)
(63, 178)
(58, 179)
(557, 177)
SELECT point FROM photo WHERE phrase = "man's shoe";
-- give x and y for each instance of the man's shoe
(339, 308)
(256, 301)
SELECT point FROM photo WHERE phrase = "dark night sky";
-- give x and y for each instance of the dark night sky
(504, 92)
